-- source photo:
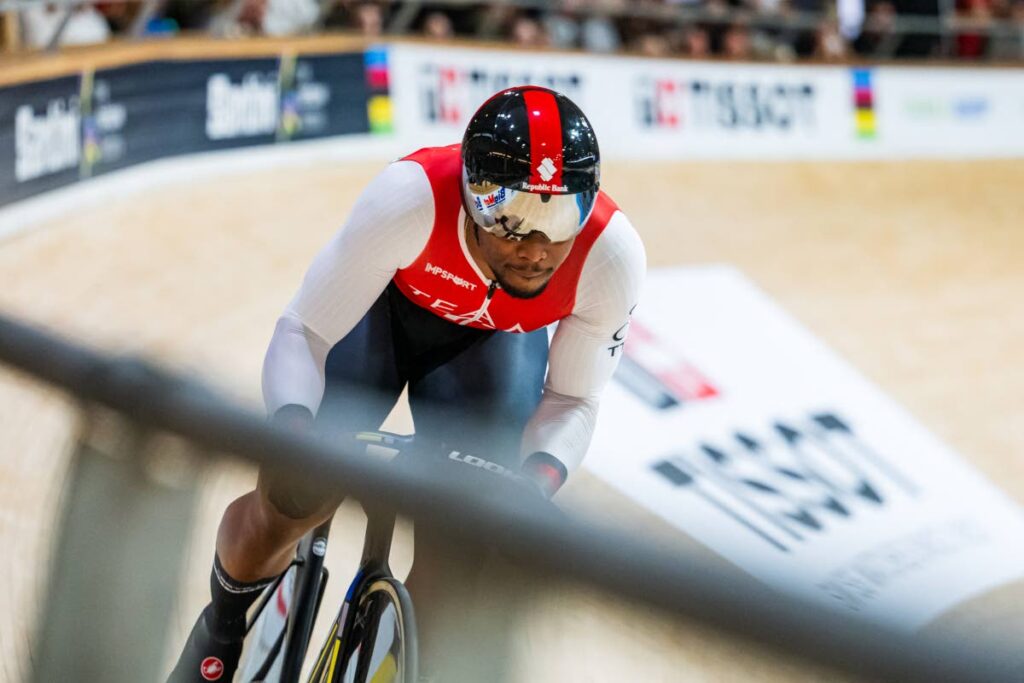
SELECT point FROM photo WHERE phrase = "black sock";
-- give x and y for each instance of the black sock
(231, 600)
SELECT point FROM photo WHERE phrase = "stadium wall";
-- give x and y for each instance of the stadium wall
(82, 115)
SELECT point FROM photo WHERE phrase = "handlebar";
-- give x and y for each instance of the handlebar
(471, 468)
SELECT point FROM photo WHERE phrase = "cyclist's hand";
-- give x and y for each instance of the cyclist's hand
(545, 471)
(532, 487)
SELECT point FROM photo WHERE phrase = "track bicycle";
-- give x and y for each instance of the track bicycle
(373, 637)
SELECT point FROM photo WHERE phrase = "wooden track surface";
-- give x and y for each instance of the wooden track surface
(912, 271)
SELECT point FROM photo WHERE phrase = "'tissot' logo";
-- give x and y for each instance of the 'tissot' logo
(791, 485)
(449, 94)
(726, 105)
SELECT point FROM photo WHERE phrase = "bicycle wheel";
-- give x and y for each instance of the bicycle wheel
(381, 643)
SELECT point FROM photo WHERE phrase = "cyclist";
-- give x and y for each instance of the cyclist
(445, 277)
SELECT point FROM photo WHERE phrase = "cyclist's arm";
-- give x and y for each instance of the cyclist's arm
(585, 350)
(387, 229)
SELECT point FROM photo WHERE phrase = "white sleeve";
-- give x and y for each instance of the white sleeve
(587, 345)
(388, 228)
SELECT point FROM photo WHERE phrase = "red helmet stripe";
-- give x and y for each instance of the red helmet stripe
(545, 137)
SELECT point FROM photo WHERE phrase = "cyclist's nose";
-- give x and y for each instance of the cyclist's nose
(533, 251)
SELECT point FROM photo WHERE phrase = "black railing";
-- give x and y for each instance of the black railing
(617, 562)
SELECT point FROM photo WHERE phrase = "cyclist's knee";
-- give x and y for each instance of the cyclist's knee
(256, 541)
(299, 501)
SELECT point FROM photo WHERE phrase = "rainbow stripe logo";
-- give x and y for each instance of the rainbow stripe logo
(864, 104)
(378, 104)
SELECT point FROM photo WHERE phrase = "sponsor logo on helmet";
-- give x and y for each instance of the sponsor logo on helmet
(211, 668)
(544, 187)
(546, 170)
(489, 201)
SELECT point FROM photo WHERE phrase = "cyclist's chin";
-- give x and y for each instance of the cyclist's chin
(524, 287)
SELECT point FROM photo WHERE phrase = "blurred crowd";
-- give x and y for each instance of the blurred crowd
(778, 30)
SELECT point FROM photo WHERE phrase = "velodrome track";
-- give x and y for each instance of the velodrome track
(912, 271)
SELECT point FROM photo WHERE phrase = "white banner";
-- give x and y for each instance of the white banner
(950, 112)
(672, 109)
(640, 108)
(765, 446)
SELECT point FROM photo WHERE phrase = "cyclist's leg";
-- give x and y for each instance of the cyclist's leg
(362, 384)
(259, 531)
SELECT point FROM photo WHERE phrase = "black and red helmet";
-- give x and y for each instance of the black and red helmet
(530, 163)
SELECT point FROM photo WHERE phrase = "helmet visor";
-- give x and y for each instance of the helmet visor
(514, 214)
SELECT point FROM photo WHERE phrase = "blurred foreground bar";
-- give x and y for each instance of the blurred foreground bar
(119, 550)
(126, 511)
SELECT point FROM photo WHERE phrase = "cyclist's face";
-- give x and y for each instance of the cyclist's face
(523, 268)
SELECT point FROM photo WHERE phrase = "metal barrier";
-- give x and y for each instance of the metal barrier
(137, 491)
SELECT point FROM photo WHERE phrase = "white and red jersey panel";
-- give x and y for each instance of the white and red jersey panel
(407, 226)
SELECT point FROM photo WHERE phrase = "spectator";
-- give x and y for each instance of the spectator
(851, 18)
(234, 20)
(85, 26)
(830, 45)
(574, 24)
(526, 31)
(633, 28)
(718, 9)
(653, 44)
(599, 33)
(1008, 43)
(696, 43)
(736, 42)
(918, 44)
(437, 26)
(190, 15)
(877, 37)
(562, 25)
(773, 7)
(494, 21)
(804, 41)
(970, 44)
(290, 17)
(119, 15)
(370, 19)
(770, 44)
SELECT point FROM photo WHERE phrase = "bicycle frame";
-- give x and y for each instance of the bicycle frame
(310, 583)
(373, 565)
